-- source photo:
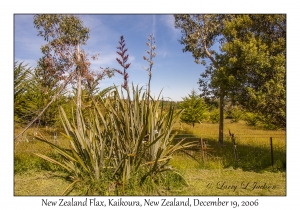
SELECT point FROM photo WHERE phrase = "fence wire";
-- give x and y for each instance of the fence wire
(190, 136)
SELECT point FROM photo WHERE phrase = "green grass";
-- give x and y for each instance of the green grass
(253, 146)
(212, 182)
(218, 174)
(219, 170)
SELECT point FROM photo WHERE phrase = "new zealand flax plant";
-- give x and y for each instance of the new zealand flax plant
(127, 140)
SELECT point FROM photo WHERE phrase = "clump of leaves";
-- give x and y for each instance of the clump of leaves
(142, 137)
(251, 119)
(126, 139)
(236, 114)
(214, 116)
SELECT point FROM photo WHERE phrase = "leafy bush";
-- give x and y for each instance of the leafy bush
(254, 119)
(251, 119)
(214, 116)
(236, 114)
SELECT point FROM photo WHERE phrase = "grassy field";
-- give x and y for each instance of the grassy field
(217, 174)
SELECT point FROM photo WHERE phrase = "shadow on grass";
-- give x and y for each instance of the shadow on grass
(249, 157)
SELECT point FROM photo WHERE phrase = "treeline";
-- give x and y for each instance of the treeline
(197, 110)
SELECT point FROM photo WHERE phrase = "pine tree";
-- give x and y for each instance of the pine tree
(194, 109)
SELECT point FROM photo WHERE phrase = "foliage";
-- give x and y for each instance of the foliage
(214, 116)
(44, 87)
(251, 119)
(28, 93)
(194, 109)
(254, 119)
(22, 77)
(255, 54)
(120, 141)
(200, 33)
(236, 114)
(34, 88)
(251, 65)
(63, 63)
(63, 33)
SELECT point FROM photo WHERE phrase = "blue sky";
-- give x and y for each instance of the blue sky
(173, 71)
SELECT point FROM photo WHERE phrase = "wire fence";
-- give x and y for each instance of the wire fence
(239, 137)
(272, 141)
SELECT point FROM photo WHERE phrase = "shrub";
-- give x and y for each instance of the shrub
(214, 116)
(251, 119)
(236, 114)
(194, 109)
(126, 140)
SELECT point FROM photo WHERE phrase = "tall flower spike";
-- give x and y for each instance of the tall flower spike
(123, 61)
(151, 52)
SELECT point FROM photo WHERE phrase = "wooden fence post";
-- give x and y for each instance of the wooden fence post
(234, 148)
(272, 157)
(202, 148)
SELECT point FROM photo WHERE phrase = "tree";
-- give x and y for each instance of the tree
(199, 34)
(22, 79)
(45, 87)
(21, 76)
(34, 89)
(194, 109)
(62, 55)
(65, 34)
(250, 66)
(255, 53)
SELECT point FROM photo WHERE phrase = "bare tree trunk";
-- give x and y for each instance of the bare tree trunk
(46, 107)
(221, 123)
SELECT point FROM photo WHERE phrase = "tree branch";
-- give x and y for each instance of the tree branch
(210, 56)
